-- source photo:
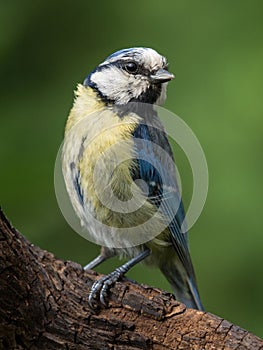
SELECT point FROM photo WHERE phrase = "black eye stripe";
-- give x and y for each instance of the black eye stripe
(125, 65)
(122, 64)
(139, 71)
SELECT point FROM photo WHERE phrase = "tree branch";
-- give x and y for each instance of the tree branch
(43, 305)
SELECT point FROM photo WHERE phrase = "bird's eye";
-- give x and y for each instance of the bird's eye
(131, 67)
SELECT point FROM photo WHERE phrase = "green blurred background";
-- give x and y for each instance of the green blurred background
(216, 51)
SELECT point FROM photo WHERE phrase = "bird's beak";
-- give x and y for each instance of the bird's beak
(161, 76)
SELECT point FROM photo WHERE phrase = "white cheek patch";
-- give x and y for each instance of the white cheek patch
(116, 85)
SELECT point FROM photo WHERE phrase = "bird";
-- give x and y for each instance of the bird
(120, 175)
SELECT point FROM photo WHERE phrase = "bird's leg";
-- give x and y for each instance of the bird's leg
(105, 254)
(102, 285)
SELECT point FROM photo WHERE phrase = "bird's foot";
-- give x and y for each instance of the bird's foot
(101, 287)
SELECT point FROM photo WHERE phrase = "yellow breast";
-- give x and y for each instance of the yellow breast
(98, 160)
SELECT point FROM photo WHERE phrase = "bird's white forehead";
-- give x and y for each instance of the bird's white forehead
(147, 57)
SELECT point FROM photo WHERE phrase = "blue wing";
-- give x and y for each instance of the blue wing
(159, 174)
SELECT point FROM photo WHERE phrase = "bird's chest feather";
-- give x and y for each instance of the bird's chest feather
(100, 164)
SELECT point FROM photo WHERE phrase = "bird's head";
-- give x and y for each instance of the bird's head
(131, 75)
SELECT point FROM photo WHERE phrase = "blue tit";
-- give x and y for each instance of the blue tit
(113, 131)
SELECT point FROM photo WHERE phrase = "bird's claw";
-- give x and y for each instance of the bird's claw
(101, 287)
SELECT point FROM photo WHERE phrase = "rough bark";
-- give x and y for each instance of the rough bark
(43, 305)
